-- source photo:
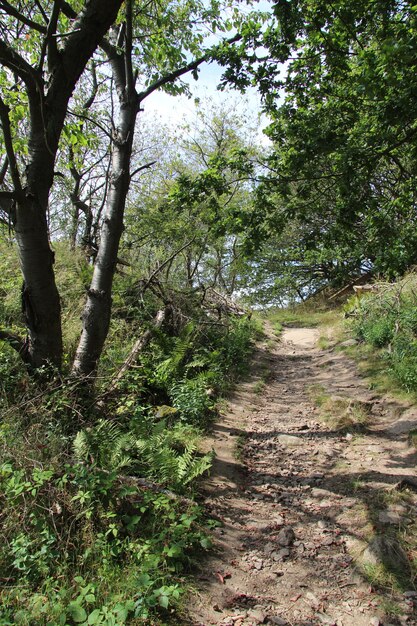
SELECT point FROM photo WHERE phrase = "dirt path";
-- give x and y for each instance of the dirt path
(305, 508)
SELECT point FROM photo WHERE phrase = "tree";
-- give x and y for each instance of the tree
(39, 82)
(150, 45)
(190, 218)
(344, 136)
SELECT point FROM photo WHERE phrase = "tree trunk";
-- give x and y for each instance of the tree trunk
(40, 299)
(97, 311)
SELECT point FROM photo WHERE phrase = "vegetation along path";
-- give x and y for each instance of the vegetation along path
(318, 505)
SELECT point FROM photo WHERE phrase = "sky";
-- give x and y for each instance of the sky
(172, 110)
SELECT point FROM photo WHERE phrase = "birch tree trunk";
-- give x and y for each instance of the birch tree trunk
(97, 310)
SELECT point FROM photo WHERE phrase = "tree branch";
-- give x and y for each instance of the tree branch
(169, 78)
(165, 263)
(50, 44)
(15, 342)
(8, 142)
(13, 12)
(87, 33)
(141, 168)
(11, 59)
(3, 170)
(89, 119)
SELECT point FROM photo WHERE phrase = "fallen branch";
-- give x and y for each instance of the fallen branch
(15, 342)
(150, 485)
(138, 346)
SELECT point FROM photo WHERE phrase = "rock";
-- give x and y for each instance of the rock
(406, 422)
(374, 621)
(276, 619)
(314, 601)
(286, 536)
(258, 565)
(269, 548)
(349, 437)
(327, 541)
(325, 619)
(388, 551)
(348, 343)
(290, 440)
(280, 555)
(257, 616)
(389, 517)
(410, 594)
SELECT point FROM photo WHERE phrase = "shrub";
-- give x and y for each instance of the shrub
(387, 319)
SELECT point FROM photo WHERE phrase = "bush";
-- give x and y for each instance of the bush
(387, 319)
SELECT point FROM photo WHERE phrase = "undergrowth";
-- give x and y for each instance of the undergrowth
(386, 320)
(98, 518)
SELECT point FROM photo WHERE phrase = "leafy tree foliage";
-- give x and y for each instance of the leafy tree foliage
(344, 136)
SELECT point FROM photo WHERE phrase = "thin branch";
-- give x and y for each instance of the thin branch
(11, 59)
(129, 74)
(89, 119)
(169, 78)
(50, 41)
(11, 10)
(3, 170)
(8, 142)
(42, 11)
(90, 100)
(165, 263)
(142, 167)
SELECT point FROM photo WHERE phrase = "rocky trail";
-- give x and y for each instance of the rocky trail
(318, 524)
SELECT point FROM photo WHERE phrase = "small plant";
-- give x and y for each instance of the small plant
(318, 394)
(240, 444)
(387, 321)
(278, 328)
(259, 387)
(339, 412)
(412, 437)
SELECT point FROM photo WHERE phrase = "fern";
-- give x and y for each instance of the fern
(105, 444)
(171, 367)
(167, 455)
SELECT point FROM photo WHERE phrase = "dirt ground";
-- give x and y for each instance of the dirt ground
(311, 516)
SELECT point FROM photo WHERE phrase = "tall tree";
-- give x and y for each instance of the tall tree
(39, 77)
(339, 82)
(151, 45)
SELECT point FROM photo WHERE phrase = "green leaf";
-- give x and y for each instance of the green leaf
(90, 597)
(95, 617)
(77, 612)
(163, 601)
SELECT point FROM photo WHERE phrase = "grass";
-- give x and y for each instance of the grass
(412, 438)
(373, 366)
(318, 394)
(239, 446)
(259, 387)
(337, 412)
(278, 328)
(379, 576)
(302, 316)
